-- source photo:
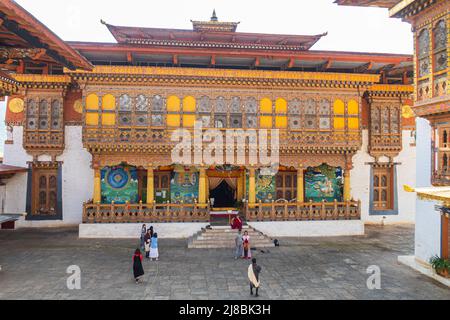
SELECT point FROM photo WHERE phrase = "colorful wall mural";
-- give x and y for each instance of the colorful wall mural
(323, 183)
(119, 184)
(184, 186)
(265, 187)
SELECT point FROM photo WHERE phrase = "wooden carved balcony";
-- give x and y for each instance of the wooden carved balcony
(148, 137)
(144, 213)
(308, 211)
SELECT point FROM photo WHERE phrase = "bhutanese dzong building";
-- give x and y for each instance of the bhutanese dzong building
(91, 124)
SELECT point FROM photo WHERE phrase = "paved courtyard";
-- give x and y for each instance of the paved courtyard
(34, 264)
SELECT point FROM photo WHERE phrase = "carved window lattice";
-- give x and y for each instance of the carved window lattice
(158, 111)
(424, 53)
(44, 123)
(440, 46)
(385, 126)
(442, 151)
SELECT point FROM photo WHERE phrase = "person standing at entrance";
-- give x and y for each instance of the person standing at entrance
(154, 254)
(246, 244)
(138, 270)
(253, 276)
(239, 245)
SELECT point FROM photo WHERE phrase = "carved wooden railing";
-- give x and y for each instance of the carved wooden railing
(145, 213)
(293, 211)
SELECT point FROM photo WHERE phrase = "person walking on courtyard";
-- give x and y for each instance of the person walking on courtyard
(143, 232)
(246, 246)
(253, 276)
(239, 245)
(138, 270)
(154, 254)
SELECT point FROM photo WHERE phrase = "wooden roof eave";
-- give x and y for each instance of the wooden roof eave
(304, 55)
(26, 26)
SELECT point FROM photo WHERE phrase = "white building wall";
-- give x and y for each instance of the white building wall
(428, 220)
(77, 177)
(16, 188)
(360, 181)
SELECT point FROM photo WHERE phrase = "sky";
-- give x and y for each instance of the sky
(349, 28)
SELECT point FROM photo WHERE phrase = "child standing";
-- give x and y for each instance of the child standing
(147, 248)
(154, 254)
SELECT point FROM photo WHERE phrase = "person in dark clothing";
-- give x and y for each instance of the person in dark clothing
(138, 270)
(253, 275)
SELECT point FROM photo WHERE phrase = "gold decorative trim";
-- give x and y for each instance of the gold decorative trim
(225, 74)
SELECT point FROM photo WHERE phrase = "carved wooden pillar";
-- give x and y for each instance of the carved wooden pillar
(150, 185)
(347, 182)
(252, 186)
(202, 186)
(300, 184)
(97, 196)
(240, 187)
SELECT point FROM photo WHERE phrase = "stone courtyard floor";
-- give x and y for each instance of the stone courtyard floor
(34, 264)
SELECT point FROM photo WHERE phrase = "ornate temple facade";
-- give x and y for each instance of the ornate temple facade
(95, 129)
(430, 21)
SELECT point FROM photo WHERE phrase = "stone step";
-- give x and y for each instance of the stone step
(224, 237)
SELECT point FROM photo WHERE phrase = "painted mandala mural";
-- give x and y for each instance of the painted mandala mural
(120, 184)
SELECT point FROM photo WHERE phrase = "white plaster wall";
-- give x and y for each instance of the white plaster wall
(77, 178)
(360, 176)
(133, 230)
(360, 181)
(428, 220)
(16, 188)
(309, 228)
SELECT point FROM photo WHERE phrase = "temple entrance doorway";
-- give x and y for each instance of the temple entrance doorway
(223, 191)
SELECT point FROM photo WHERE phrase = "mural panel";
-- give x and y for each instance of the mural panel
(119, 184)
(323, 183)
(184, 186)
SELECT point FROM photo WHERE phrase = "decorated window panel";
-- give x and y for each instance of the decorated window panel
(221, 105)
(324, 114)
(385, 127)
(125, 108)
(440, 46)
(204, 105)
(423, 53)
(32, 114)
(158, 109)
(236, 120)
(251, 121)
(375, 121)
(220, 121)
(141, 103)
(251, 106)
(235, 105)
(310, 114)
(295, 122)
(56, 115)
(205, 110)
(395, 120)
(43, 115)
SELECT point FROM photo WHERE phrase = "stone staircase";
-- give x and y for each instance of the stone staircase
(224, 236)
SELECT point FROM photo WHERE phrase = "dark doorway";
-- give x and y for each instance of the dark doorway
(223, 196)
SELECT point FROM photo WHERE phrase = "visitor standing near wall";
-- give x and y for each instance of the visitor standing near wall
(143, 232)
(239, 245)
(154, 254)
(253, 276)
(147, 248)
(138, 270)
